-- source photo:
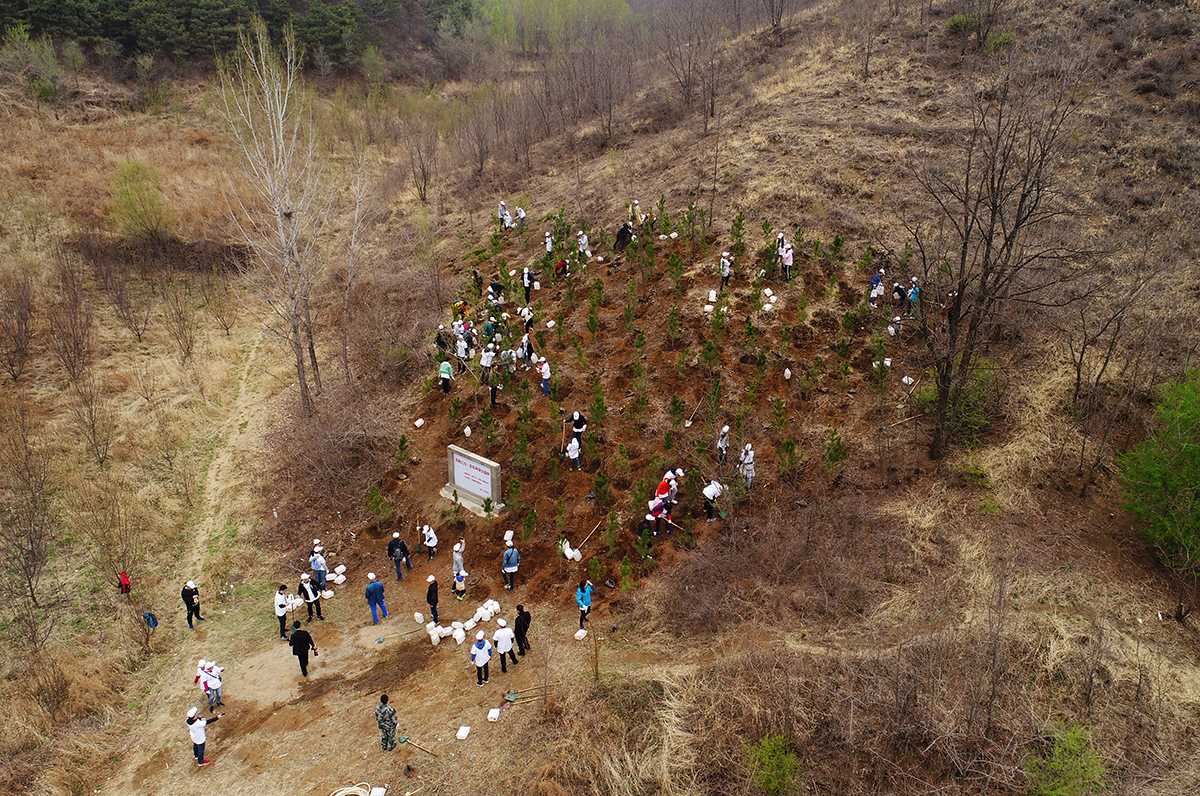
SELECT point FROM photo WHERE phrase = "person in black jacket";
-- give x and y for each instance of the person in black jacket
(301, 643)
(521, 626)
(398, 552)
(311, 595)
(431, 596)
(191, 598)
(578, 426)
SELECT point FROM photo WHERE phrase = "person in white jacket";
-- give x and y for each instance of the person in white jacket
(503, 639)
(212, 685)
(281, 609)
(481, 653)
(199, 737)
(431, 541)
(573, 455)
(711, 493)
(723, 445)
(319, 567)
(746, 465)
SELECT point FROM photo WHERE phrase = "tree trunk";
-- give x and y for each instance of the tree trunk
(312, 348)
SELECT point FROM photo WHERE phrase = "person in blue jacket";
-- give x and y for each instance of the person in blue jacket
(508, 566)
(375, 597)
(583, 596)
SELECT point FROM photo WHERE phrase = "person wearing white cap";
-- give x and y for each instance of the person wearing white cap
(191, 599)
(527, 281)
(624, 236)
(398, 552)
(311, 595)
(374, 595)
(746, 465)
(211, 680)
(673, 494)
(723, 445)
(549, 244)
(583, 245)
(501, 210)
(645, 529)
(442, 340)
(503, 639)
(787, 262)
(459, 548)
(711, 493)
(319, 567)
(578, 426)
(199, 736)
(914, 297)
(544, 372)
(635, 214)
(431, 596)
(573, 455)
(431, 541)
(876, 289)
(726, 269)
(281, 609)
(520, 217)
(481, 653)
(508, 565)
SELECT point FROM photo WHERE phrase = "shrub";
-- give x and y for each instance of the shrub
(835, 451)
(962, 23)
(596, 569)
(774, 767)
(139, 208)
(377, 504)
(1072, 769)
(1158, 476)
(530, 524)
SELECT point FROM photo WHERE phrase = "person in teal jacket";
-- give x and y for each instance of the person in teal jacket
(447, 373)
(583, 596)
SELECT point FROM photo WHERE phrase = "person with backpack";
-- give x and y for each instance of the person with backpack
(191, 599)
(398, 552)
(197, 732)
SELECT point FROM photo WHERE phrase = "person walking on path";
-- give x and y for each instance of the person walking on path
(723, 445)
(726, 269)
(746, 465)
(191, 598)
(457, 559)
(446, 373)
(711, 493)
(544, 372)
(281, 609)
(385, 717)
(521, 626)
(398, 552)
(481, 653)
(302, 642)
(573, 455)
(311, 595)
(319, 567)
(374, 595)
(503, 641)
(431, 596)
(583, 596)
(508, 565)
(431, 541)
(199, 737)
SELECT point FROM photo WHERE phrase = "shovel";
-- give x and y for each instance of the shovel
(405, 739)
(688, 424)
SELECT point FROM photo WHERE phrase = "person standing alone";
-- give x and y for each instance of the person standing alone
(281, 609)
(302, 642)
(509, 564)
(583, 597)
(196, 727)
(521, 626)
(431, 596)
(385, 717)
(374, 595)
(191, 598)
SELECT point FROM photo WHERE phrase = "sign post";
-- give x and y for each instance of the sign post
(474, 479)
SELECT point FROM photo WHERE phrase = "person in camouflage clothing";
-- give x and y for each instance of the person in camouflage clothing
(385, 717)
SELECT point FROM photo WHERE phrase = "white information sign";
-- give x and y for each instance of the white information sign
(472, 475)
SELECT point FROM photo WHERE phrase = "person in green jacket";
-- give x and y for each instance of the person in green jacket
(447, 373)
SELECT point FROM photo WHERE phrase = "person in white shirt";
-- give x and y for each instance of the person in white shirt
(212, 685)
(281, 609)
(573, 455)
(549, 244)
(746, 465)
(199, 737)
(311, 595)
(431, 541)
(319, 567)
(726, 264)
(459, 548)
(544, 372)
(711, 493)
(481, 653)
(503, 639)
(723, 445)
(521, 217)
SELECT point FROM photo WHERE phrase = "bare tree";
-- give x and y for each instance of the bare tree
(685, 30)
(219, 302)
(997, 235)
(179, 316)
(280, 203)
(16, 314)
(866, 21)
(359, 220)
(71, 320)
(28, 522)
(93, 412)
(776, 10)
(420, 129)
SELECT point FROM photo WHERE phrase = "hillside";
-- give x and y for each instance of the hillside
(901, 623)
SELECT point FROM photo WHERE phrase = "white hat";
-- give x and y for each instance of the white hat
(191, 584)
(509, 543)
(914, 279)
(882, 271)
(316, 541)
(457, 546)
(430, 579)
(724, 429)
(649, 516)
(576, 416)
(304, 576)
(502, 622)
(462, 573)
(441, 326)
(371, 575)
(395, 534)
(201, 663)
(779, 235)
(211, 665)
(679, 472)
(635, 201)
(479, 636)
(747, 446)
(192, 713)
(724, 254)
(547, 234)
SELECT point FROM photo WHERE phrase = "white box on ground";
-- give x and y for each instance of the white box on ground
(463, 732)
(494, 714)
